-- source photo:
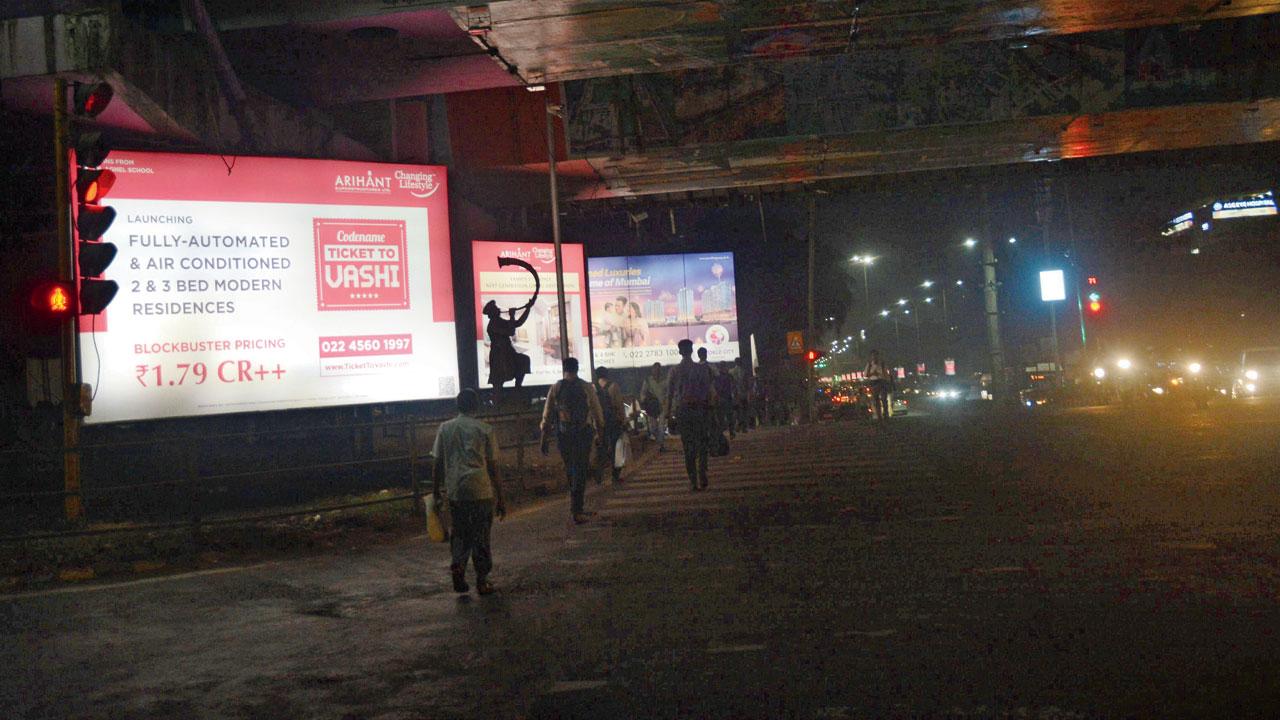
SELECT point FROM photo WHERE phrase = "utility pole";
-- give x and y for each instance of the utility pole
(810, 338)
(991, 297)
(73, 506)
(552, 111)
(1045, 215)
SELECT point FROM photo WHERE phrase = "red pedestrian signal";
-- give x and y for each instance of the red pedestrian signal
(813, 356)
(53, 301)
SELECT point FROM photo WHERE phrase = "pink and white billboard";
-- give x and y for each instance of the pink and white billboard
(511, 286)
(252, 284)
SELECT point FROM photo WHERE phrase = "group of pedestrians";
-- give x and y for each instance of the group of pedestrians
(699, 399)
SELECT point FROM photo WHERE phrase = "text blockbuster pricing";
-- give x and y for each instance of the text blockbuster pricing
(269, 284)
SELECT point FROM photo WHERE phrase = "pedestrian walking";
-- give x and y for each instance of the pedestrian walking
(466, 465)
(725, 402)
(572, 414)
(615, 418)
(652, 393)
(744, 391)
(690, 398)
(878, 378)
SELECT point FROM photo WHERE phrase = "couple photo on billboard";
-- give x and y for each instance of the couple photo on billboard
(641, 306)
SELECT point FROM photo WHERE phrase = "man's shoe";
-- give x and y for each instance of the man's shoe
(580, 518)
(459, 580)
(484, 587)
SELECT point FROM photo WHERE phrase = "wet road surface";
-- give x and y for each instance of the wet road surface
(1090, 563)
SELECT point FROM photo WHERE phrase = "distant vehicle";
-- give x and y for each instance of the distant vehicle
(1259, 373)
(899, 406)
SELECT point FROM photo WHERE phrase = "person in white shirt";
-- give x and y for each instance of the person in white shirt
(466, 465)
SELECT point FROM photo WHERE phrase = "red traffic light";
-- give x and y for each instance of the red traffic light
(53, 300)
(813, 356)
(1095, 307)
(92, 98)
(93, 184)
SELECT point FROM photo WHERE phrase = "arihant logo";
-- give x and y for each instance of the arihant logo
(419, 184)
(367, 183)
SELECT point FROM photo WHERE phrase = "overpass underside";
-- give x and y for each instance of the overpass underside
(668, 97)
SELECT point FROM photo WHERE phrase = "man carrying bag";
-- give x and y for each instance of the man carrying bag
(571, 413)
(466, 466)
(690, 396)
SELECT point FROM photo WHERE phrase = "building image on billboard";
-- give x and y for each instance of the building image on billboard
(283, 284)
(641, 306)
(512, 286)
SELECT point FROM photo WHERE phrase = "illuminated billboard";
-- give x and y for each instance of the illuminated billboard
(512, 286)
(641, 306)
(251, 284)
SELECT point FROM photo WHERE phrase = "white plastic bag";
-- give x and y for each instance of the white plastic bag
(622, 451)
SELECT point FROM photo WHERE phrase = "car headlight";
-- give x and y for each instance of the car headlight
(1194, 368)
(1251, 387)
(1251, 374)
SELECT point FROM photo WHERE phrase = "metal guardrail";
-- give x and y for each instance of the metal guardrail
(190, 480)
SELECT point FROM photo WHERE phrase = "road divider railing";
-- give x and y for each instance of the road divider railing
(205, 479)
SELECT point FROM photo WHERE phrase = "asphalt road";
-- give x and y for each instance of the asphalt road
(1101, 562)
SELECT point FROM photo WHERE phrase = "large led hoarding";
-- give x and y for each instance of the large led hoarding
(250, 284)
(642, 306)
(512, 286)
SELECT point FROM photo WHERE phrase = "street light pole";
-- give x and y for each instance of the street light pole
(552, 110)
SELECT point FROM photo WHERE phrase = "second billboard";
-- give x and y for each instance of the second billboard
(641, 306)
(511, 287)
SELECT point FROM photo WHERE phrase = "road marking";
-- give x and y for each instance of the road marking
(134, 583)
(1001, 570)
(564, 686)
(719, 650)
(869, 633)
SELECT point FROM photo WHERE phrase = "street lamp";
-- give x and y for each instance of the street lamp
(865, 261)
(970, 243)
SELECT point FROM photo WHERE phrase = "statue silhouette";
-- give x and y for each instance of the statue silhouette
(504, 362)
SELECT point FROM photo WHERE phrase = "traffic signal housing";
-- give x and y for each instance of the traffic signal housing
(1094, 306)
(92, 183)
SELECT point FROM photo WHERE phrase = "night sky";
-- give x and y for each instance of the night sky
(1102, 216)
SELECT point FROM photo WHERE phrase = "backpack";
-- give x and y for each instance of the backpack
(571, 403)
(695, 385)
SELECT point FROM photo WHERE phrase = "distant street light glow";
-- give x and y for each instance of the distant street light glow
(902, 301)
(970, 243)
(1013, 241)
(1099, 373)
(1124, 363)
(884, 313)
(926, 284)
(1194, 368)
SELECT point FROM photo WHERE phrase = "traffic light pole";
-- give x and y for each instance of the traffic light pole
(810, 384)
(72, 505)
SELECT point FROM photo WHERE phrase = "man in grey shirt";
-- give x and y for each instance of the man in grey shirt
(466, 464)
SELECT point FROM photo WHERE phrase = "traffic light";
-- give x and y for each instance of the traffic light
(813, 356)
(1095, 303)
(92, 183)
(52, 301)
